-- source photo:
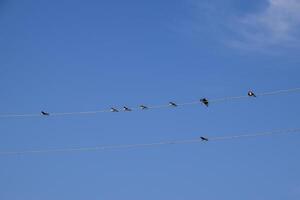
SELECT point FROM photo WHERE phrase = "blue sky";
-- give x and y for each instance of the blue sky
(87, 55)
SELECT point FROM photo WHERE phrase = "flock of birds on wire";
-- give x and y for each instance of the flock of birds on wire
(204, 101)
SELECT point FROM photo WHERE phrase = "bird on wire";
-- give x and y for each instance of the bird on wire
(45, 113)
(204, 101)
(114, 110)
(172, 104)
(143, 107)
(251, 94)
(126, 109)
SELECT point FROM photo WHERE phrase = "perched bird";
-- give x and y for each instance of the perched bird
(126, 109)
(143, 107)
(45, 113)
(204, 101)
(204, 139)
(172, 104)
(113, 110)
(251, 94)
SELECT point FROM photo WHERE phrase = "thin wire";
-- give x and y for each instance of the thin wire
(142, 145)
(258, 94)
(80, 113)
(230, 98)
(266, 133)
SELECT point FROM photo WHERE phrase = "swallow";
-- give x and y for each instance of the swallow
(204, 101)
(45, 113)
(126, 109)
(172, 104)
(204, 139)
(113, 110)
(251, 94)
(143, 107)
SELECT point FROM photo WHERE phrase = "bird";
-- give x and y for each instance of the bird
(143, 107)
(251, 94)
(126, 109)
(204, 139)
(113, 110)
(172, 104)
(204, 101)
(45, 113)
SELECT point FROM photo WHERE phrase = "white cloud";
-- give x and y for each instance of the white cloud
(277, 24)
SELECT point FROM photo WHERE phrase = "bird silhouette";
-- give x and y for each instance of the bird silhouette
(143, 107)
(204, 139)
(113, 110)
(45, 113)
(126, 109)
(172, 104)
(204, 101)
(251, 94)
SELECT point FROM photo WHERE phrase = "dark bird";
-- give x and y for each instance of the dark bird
(45, 113)
(143, 107)
(251, 94)
(113, 110)
(204, 101)
(126, 109)
(172, 104)
(204, 139)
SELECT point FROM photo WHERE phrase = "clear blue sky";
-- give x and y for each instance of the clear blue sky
(64, 55)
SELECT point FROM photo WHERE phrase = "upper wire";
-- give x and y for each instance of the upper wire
(229, 98)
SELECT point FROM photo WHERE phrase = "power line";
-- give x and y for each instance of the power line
(143, 145)
(143, 107)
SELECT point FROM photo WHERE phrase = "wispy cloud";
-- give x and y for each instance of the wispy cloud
(276, 25)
